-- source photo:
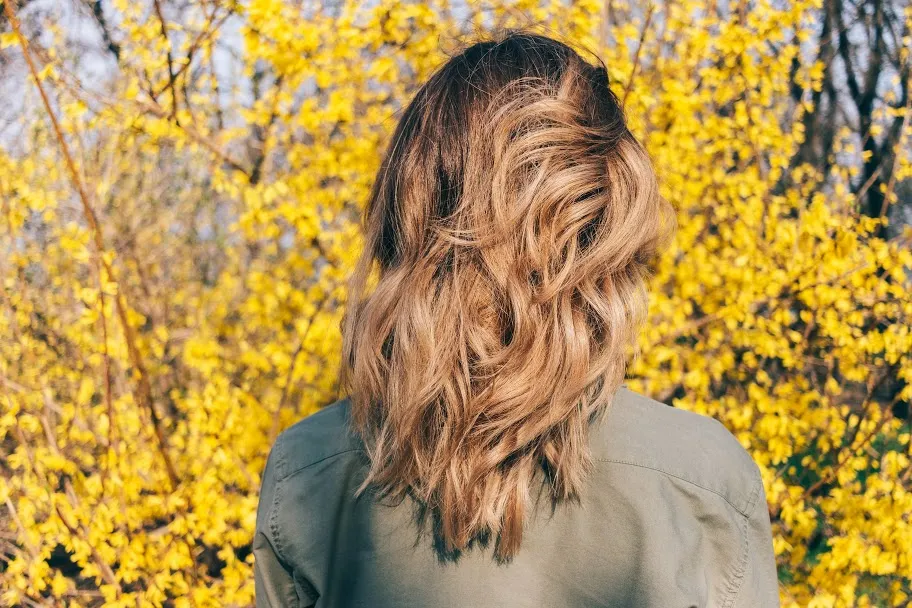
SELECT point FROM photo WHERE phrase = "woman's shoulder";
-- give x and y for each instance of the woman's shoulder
(319, 437)
(639, 431)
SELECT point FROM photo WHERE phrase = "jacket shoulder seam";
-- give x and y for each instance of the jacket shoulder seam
(742, 510)
(301, 468)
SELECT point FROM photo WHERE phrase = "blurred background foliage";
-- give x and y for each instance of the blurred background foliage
(178, 213)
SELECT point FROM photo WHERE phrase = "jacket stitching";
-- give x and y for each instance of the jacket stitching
(274, 510)
(734, 584)
(737, 580)
(741, 510)
(751, 503)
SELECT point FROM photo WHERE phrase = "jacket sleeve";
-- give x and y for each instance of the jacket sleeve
(760, 584)
(274, 580)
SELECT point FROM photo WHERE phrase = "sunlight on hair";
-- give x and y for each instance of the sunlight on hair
(512, 223)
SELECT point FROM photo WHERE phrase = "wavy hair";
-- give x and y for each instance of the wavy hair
(512, 223)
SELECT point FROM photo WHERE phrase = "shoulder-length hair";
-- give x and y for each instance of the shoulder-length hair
(512, 223)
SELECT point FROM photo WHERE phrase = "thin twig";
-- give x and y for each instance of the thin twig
(207, 32)
(274, 431)
(163, 25)
(636, 58)
(900, 150)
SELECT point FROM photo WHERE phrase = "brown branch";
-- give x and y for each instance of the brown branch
(78, 90)
(844, 49)
(144, 394)
(200, 138)
(891, 183)
(98, 13)
(14, 514)
(830, 475)
(256, 171)
(108, 389)
(274, 431)
(208, 31)
(868, 183)
(171, 77)
(636, 58)
(106, 571)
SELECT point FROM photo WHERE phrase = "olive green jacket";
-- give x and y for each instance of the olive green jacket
(674, 516)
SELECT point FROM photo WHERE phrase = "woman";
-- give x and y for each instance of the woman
(488, 452)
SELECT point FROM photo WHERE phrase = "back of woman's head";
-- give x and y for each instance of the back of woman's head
(512, 222)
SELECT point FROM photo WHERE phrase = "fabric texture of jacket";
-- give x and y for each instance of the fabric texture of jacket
(673, 515)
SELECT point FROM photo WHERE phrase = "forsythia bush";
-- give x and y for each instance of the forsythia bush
(179, 216)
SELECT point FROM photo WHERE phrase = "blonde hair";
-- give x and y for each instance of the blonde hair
(513, 222)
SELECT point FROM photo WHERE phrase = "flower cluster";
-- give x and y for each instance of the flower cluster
(179, 212)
